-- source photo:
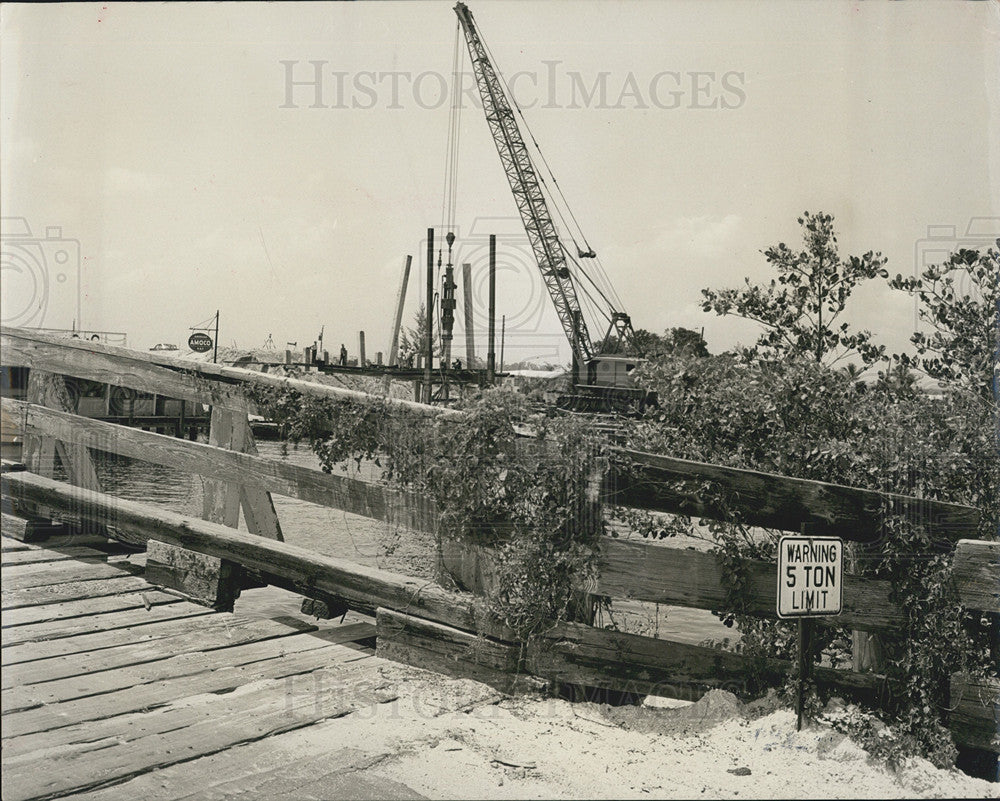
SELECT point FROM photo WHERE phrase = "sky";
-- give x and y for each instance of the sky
(277, 162)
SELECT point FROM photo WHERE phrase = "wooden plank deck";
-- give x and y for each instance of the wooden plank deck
(106, 679)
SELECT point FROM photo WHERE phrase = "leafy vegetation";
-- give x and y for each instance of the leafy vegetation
(413, 340)
(534, 502)
(960, 303)
(781, 406)
(800, 310)
(680, 341)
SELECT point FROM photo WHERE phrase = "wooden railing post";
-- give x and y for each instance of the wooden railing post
(222, 498)
(209, 579)
(867, 647)
(40, 452)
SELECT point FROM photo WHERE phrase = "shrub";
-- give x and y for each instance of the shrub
(804, 419)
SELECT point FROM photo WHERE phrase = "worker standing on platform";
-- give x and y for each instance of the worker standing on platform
(343, 355)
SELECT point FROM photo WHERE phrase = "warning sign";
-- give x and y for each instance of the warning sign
(810, 576)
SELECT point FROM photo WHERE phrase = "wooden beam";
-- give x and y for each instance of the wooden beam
(30, 530)
(976, 574)
(433, 646)
(666, 484)
(222, 497)
(643, 571)
(394, 507)
(206, 580)
(258, 506)
(612, 660)
(362, 587)
(116, 367)
(49, 390)
(74, 456)
(577, 654)
(212, 384)
(975, 712)
(39, 449)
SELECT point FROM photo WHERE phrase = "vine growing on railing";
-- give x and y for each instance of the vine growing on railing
(533, 501)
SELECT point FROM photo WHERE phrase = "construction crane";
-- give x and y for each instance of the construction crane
(600, 379)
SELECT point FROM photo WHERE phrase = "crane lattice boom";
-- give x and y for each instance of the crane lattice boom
(528, 196)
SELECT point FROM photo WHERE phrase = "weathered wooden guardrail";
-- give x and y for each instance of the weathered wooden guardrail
(419, 621)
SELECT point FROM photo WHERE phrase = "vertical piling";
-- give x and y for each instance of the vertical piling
(503, 336)
(429, 347)
(361, 349)
(398, 320)
(491, 356)
(470, 341)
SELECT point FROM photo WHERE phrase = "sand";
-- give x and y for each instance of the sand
(548, 748)
(435, 737)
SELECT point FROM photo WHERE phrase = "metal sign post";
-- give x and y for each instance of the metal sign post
(805, 665)
(810, 584)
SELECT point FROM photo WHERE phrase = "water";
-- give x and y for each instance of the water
(332, 532)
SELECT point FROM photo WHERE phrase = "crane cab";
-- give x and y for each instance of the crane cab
(607, 385)
(611, 371)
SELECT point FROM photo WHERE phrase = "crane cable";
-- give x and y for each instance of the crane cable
(614, 301)
(513, 102)
(449, 195)
(595, 308)
(449, 198)
(579, 269)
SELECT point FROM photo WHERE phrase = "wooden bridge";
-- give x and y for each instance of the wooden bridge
(105, 676)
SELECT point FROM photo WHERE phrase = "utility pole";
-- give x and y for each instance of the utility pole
(215, 354)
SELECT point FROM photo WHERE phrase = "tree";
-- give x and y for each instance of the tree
(686, 342)
(800, 310)
(673, 340)
(413, 341)
(960, 301)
